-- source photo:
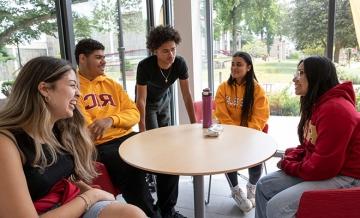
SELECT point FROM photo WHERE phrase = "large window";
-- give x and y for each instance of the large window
(27, 30)
(99, 19)
(277, 34)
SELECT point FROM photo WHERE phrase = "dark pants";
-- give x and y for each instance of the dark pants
(254, 175)
(158, 115)
(131, 181)
(158, 112)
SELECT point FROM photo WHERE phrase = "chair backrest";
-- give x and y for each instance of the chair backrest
(198, 110)
(266, 128)
(103, 180)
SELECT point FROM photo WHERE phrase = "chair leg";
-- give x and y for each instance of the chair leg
(265, 169)
(209, 188)
(154, 179)
(243, 177)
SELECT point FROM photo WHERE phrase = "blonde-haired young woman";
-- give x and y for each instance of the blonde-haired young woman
(46, 154)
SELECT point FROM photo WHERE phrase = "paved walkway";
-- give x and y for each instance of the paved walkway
(284, 130)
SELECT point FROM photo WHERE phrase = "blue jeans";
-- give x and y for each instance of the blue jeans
(95, 210)
(278, 194)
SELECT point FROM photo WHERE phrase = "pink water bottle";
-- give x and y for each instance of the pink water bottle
(206, 108)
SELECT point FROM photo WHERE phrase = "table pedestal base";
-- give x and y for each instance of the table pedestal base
(199, 201)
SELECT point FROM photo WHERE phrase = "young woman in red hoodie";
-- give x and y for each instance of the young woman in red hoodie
(328, 156)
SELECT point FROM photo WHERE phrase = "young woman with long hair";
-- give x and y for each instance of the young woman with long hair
(45, 150)
(242, 101)
(328, 156)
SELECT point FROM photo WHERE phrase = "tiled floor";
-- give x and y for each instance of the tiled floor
(221, 204)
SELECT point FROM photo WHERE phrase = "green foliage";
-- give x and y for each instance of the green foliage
(241, 17)
(285, 27)
(106, 16)
(263, 19)
(6, 87)
(256, 49)
(82, 26)
(357, 92)
(284, 104)
(294, 55)
(228, 17)
(275, 67)
(313, 51)
(24, 22)
(128, 65)
(4, 56)
(348, 75)
(344, 26)
(310, 25)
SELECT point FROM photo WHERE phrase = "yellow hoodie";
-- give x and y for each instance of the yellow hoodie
(102, 98)
(228, 102)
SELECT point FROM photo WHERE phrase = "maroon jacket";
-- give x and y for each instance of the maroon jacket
(331, 144)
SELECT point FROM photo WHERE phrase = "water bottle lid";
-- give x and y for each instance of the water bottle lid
(206, 91)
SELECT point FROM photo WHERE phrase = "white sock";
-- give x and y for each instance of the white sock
(235, 188)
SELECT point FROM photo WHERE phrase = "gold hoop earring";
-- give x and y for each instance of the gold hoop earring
(47, 99)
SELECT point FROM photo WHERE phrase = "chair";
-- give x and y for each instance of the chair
(103, 180)
(329, 203)
(207, 201)
(198, 110)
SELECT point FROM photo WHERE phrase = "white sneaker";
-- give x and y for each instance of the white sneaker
(250, 193)
(242, 202)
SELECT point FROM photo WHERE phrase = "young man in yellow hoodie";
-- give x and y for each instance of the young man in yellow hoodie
(110, 115)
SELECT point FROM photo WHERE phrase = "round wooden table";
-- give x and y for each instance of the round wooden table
(184, 150)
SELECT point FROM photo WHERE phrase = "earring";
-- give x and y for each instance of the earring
(47, 99)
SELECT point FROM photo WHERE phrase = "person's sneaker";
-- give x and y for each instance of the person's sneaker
(242, 202)
(250, 193)
(173, 214)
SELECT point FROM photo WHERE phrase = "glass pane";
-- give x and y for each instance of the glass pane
(200, 74)
(346, 52)
(98, 19)
(26, 31)
(203, 49)
(135, 31)
(277, 34)
(158, 12)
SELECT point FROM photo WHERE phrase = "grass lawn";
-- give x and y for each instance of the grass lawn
(266, 72)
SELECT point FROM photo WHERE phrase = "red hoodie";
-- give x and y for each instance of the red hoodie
(331, 144)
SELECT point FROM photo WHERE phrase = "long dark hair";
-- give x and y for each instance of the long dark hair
(248, 100)
(321, 76)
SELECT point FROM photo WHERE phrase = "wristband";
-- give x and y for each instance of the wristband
(87, 203)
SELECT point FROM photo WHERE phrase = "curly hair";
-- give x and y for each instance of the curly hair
(160, 35)
(86, 47)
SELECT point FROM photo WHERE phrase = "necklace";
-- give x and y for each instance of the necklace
(165, 77)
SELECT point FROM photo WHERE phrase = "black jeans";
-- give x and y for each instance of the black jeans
(158, 115)
(254, 175)
(131, 181)
(158, 112)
